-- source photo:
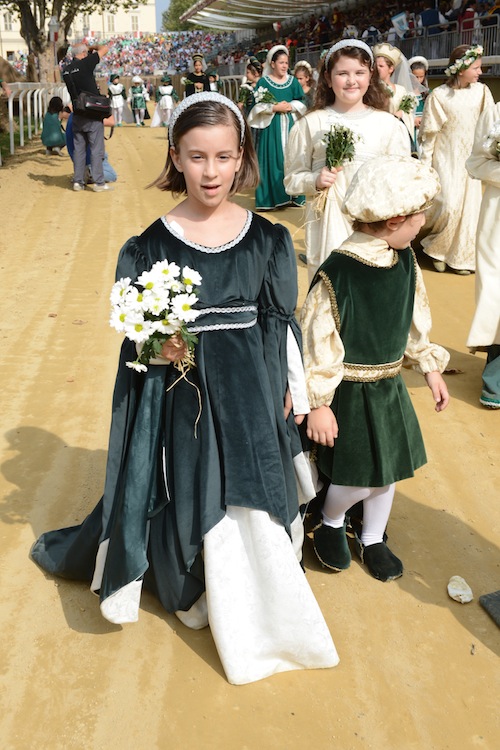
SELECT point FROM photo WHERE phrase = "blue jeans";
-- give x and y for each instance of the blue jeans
(88, 133)
(491, 373)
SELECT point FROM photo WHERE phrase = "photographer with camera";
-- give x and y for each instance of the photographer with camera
(88, 128)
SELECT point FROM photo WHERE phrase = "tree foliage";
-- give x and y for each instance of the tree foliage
(170, 17)
(35, 14)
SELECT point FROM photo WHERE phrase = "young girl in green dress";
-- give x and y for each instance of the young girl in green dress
(207, 499)
(279, 100)
(366, 316)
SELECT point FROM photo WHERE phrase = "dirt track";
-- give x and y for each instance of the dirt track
(418, 671)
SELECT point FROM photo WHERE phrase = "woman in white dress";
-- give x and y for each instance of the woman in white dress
(484, 165)
(446, 136)
(345, 96)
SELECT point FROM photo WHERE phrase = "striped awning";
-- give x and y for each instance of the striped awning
(231, 15)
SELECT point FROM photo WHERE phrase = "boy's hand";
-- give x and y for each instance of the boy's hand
(322, 426)
(439, 390)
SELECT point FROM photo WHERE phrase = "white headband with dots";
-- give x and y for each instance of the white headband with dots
(348, 43)
(205, 96)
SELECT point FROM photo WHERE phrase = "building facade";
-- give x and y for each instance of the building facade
(136, 22)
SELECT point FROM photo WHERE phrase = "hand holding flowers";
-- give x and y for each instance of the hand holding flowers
(154, 312)
(340, 147)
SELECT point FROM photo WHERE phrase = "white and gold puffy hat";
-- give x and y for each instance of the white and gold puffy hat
(392, 54)
(390, 186)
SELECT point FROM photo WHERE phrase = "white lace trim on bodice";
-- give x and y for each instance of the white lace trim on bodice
(175, 229)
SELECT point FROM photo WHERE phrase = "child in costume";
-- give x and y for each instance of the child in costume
(303, 72)
(346, 97)
(213, 77)
(484, 164)
(446, 138)
(419, 66)
(367, 315)
(53, 136)
(196, 81)
(138, 96)
(392, 73)
(118, 96)
(279, 100)
(166, 99)
(206, 472)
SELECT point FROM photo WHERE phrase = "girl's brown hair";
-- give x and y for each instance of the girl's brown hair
(255, 66)
(325, 97)
(202, 115)
(455, 55)
(302, 69)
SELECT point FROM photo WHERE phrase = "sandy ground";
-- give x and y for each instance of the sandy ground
(418, 670)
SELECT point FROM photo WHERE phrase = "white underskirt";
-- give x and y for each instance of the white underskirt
(261, 610)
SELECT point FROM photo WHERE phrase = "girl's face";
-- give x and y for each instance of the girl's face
(384, 68)
(419, 74)
(280, 66)
(197, 66)
(470, 74)
(252, 75)
(303, 79)
(209, 158)
(349, 79)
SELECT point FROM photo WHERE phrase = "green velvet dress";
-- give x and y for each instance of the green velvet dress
(379, 439)
(271, 144)
(168, 484)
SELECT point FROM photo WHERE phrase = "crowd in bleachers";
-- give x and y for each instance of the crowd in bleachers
(372, 22)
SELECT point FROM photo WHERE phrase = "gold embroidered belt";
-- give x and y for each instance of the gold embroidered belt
(371, 373)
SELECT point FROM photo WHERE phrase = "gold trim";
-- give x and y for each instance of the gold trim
(395, 259)
(333, 298)
(371, 373)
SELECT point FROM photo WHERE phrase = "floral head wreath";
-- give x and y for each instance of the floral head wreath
(348, 43)
(204, 96)
(465, 61)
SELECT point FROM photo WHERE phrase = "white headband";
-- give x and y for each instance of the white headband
(348, 43)
(205, 96)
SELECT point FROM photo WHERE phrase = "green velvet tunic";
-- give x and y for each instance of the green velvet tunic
(165, 485)
(379, 439)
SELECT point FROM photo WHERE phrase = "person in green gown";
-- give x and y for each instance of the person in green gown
(205, 471)
(279, 100)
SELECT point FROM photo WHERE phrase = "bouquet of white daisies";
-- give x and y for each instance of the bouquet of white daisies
(158, 306)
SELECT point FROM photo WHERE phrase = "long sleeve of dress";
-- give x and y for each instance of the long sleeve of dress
(421, 354)
(300, 178)
(322, 346)
(433, 120)
(483, 164)
(282, 337)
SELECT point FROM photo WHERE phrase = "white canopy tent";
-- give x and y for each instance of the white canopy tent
(231, 15)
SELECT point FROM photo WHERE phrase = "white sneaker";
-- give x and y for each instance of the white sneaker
(101, 188)
(77, 186)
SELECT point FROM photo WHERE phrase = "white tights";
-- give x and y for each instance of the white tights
(377, 504)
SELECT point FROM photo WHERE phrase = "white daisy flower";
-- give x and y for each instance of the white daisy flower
(137, 366)
(137, 329)
(119, 290)
(190, 278)
(182, 307)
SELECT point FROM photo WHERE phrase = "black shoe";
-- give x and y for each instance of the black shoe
(331, 548)
(303, 258)
(380, 561)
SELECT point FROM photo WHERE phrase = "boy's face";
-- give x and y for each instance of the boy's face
(407, 231)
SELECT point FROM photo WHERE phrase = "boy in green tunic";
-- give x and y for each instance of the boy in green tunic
(367, 315)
